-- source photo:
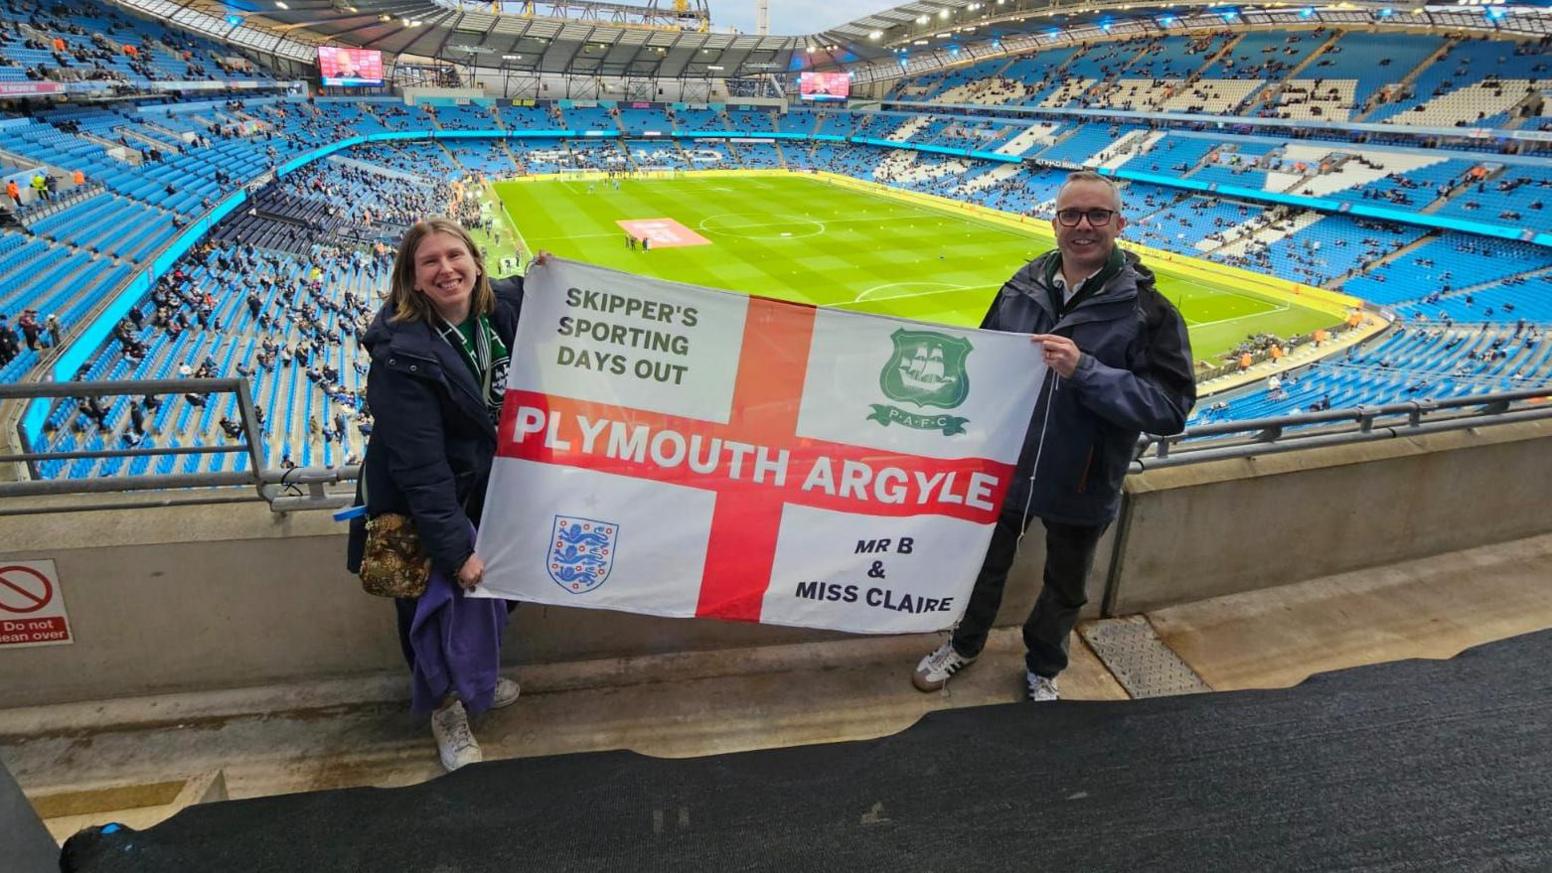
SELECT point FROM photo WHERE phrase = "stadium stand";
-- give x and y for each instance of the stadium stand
(154, 166)
(1265, 56)
(1474, 83)
(1511, 194)
(1429, 362)
(94, 41)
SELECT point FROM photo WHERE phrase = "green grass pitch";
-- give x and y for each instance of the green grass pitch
(814, 242)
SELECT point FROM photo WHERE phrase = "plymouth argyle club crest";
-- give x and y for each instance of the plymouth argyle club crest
(581, 552)
(927, 370)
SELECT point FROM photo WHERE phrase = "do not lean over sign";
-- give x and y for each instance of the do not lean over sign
(678, 451)
(32, 608)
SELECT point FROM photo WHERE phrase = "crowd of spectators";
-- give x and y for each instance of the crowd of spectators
(122, 52)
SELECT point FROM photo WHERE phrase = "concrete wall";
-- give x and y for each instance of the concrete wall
(196, 598)
(1218, 528)
(28, 846)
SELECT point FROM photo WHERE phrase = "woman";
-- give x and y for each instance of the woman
(440, 348)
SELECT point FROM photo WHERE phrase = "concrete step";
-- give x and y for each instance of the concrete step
(356, 731)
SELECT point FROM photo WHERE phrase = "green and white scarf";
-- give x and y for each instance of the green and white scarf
(487, 358)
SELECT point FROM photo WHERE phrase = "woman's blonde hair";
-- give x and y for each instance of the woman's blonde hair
(409, 303)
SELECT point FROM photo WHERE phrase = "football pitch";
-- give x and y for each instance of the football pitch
(815, 242)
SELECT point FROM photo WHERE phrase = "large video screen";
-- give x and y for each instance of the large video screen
(824, 86)
(347, 66)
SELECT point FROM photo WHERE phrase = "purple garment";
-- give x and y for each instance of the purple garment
(457, 645)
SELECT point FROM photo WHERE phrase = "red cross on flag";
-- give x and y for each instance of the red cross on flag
(676, 451)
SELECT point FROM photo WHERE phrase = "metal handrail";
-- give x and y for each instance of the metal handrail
(38, 486)
(307, 488)
(1285, 433)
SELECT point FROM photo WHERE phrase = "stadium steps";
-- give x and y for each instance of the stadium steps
(1479, 287)
(20, 161)
(1136, 57)
(1406, 81)
(1517, 114)
(379, 169)
(780, 156)
(1132, 144)
(1163, 207)
(518, 166)
(171, 135)
(168, 143)
(625, 152)
(1461, 189)
(1061, 138)
(1398, 254)
(1273, 92)
(61, 202)
(1213, 59)
(133, 160)
(450, 156)
(1262, 229)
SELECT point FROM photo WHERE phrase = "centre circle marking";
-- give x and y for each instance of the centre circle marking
(762, 220)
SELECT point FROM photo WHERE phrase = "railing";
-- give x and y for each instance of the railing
(35, 486)
(1359, 424)
(307, 488)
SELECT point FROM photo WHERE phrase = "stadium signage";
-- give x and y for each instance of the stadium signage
(712, 459)
(32, 606)
(12, 89)
(1052, 165)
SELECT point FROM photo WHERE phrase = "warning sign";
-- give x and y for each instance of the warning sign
(32, 608)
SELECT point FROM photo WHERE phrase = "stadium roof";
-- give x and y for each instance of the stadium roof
(589, 40)
(599, 38)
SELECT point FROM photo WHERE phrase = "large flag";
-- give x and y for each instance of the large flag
(678, 451)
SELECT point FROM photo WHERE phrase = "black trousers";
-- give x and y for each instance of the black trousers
(1069, 556)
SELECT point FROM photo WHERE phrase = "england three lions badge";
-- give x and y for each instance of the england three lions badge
(581, 552)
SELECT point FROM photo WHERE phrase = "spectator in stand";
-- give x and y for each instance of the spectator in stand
(436, 348)
(1120, 353)
(10, 346)
(31, 329)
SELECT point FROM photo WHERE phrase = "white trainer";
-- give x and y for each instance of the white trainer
(935, 670)
(506, 693)
(1042, 689)
(455, 742)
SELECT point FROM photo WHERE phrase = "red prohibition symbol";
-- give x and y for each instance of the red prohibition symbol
(22, 598)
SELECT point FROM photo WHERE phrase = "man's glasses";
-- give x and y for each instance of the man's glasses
(1096, 217)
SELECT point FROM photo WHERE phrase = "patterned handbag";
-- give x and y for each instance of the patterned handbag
(393, 563)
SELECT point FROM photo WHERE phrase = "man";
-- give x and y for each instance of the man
(10, 344)
(31, 329)
(1119, 363)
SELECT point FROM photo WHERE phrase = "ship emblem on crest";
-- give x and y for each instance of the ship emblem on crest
(926, 369)
(581, 552)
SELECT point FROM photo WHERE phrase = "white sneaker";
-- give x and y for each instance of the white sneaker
(934, 670)
(455, 742)
(506, 693)
(1042, 689)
